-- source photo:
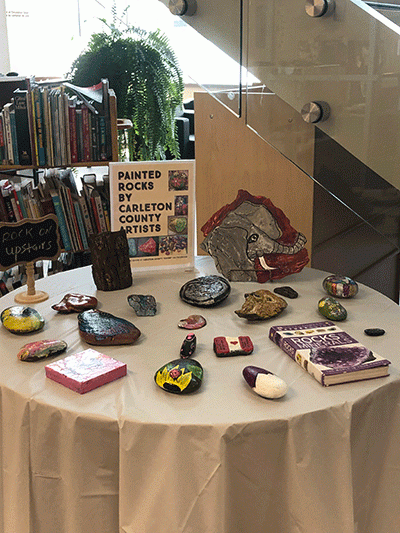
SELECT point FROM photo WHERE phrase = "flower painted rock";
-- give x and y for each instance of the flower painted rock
(144, 305)
(264, 383)
(332, 309)
(33, 351)
(104, 329)
(340, 286)
(181, 376)
(206, 291)
(188, 346)
(75, 303)
(192, 322)
(261, 305)
(20, 320)
(177, 224)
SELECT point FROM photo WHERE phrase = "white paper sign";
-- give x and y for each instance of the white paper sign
(154, 202)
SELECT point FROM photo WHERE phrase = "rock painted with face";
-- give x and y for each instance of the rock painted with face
(252, 240)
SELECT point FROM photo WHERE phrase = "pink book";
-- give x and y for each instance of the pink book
(85, 371)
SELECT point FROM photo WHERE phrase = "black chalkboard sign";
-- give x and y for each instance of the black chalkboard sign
(29, 240)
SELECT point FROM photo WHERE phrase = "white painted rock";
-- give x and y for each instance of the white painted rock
(264, 383)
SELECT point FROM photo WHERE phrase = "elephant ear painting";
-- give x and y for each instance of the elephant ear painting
(252, 240)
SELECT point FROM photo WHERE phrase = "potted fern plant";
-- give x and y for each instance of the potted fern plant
(143, 71)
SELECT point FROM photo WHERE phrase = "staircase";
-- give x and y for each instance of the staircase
(329, 72)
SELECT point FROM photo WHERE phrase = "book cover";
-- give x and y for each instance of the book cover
(328, 353)
(39, 125)
(22, 126)
(85, 371)
(14, 134)
(72, 129)
(7, 133)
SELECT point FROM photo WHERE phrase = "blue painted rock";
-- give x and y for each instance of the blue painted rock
(104, 329)
(192, 322)
(264, 383)
(188, 346)
(206, 291)
(144, 305)
(20, 320)
(332, 309)
(181, 376)
(340, 286)
(34, 351)
(75, 303)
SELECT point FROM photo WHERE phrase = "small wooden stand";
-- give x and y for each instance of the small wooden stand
(31, 295)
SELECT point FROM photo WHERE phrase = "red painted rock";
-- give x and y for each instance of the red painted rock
(149, 247)
(192, 322)
(252, 240)
(33, 351)
(75, 303)
(103, 329)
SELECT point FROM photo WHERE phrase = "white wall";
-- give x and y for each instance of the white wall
(4, 54)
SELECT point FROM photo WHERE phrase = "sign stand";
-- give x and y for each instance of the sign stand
(31, 295)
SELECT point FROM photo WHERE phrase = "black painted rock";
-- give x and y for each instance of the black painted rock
(104, 329)
(192, 322)
(264, 383)
(374, 332)
(287, 292)
(181, 376)
(75, 303)
(19, 319)
(205, 291)
(143, 304)
(33, 351)
(188, 346)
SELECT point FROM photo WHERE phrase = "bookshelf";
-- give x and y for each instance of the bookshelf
(47, 124)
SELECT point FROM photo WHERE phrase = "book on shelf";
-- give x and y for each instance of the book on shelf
(328, 353)
(86, 370)
(23, 128)
(61, 220)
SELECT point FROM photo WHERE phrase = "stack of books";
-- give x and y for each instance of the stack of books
(57, 124)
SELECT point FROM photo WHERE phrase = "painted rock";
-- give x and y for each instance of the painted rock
(264, 383)
(226, 346)
(192, 322)
(340, 286)
(261, 305)
(374, 332)
(149, 247)
(144, 305)
(75, 303)
(178, 224)
(180, 376)
(205, 291)
(332, 309)
(104, 329)
(19, 319)
(188, 346)
(132, 248)
(287, 292)
(34, 351)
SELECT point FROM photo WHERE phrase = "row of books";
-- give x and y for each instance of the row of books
(79, 214)
(50, 124)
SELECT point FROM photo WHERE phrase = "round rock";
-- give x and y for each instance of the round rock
(332, 309)
(20, 320)
(180, 376)
(192, 322)
(206, 291)
(264, 383)
(340, 286)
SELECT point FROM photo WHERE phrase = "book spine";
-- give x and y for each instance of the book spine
(9, 207)
(8, 138)
(22, 127)
(61, 222)
(39, 125)
(3, 210)
(86, 215)
(100, 212)
(72, 134)
(81, 225)
(21, 202)
(103, 138)
(15, 206)
(74, 220)
(2, 148)
(86, 133)
(79, 133)
(14, 140)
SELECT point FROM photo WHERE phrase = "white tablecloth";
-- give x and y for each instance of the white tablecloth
(129, 457)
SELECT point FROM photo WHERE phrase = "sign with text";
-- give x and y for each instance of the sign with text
(29, 240)
(154, 202)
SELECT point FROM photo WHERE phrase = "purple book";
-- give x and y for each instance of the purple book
(328, 353)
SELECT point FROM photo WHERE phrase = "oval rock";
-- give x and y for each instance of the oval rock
(264, 383)
(340, 286)
(33, 351)
(20, 320)
(180, 376)
(332, 309)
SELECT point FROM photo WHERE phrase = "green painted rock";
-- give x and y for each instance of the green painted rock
(20, 320)
(180, 376)
(332, 309)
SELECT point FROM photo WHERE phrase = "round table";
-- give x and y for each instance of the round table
(130, 457)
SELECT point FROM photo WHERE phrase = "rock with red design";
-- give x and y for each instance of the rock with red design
(149, 247)
(252, 240)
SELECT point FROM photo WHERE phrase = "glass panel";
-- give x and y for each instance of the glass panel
(209, 50)
(349, 59)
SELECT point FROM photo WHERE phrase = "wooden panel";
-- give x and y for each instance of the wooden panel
(230, 156)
